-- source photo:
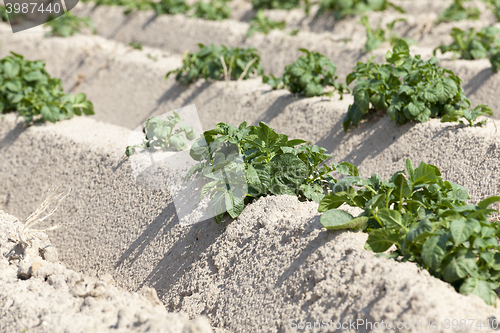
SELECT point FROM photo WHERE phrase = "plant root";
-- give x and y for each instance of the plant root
(25, 233)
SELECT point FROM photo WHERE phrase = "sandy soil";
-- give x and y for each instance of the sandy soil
(275, 263)
(133, 234)
(38, 294)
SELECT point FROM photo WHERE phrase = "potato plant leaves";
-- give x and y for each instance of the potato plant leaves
(69, 25)
(275, 4)
(409, 89)
(263, 24)
(309, 75)
(475, 45)
(342, 8)
(456, 11)
(215, 10)
(270, 164)
(337, 219)
(428, 221)
(27, 88)
(164, 134)
(207, 63)
(375, 37)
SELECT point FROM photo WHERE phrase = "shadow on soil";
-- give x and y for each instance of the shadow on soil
(278, 106)
(478, 81)
(178, 246)
(173, 93)
(376, 135)
(12, 135)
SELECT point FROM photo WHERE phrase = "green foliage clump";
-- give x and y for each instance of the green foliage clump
(471, 44)
(215, 10)
(171, 7)
(207, 63)
(260, 23)
(475, 45)
(130, 5)
(3, 14)
(343, 8)
(457, 12)
(26, 87)
(275, 4)
(163, 134)
(309, 75)
(69, 25)
(269, 163)
(429, 222)
(135, 45)
(374, 38)
(407, 88)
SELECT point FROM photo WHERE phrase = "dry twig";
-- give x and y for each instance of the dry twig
(247, 67)
(226, 78)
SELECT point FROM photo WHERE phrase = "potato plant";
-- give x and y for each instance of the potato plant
(215, 62)
(408, 89)
(164, 134)
(457, 12)
(27, 88)
(69, 25)
(375, 37)
(130, 5)
(270, 164)
(171, 7)
(429, 222)
(342, 8)
(475, 45)
(215, 10)
(135, 45)
(275, 4)
(309, 75)
(262, 24)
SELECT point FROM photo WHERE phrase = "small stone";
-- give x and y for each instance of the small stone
(50, 254)
(151, 295)
(108, 279)
(24, 270)
(36, 266)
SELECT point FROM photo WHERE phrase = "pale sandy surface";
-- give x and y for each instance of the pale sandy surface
(38, 294)
(275, 262)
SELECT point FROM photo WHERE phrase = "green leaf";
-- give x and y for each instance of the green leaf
(380, 240)
(481, 288)
(411, 171)
(433, 251)
(11, 69)
(390, 218)
(50, 113)
(347, 169)
(459, 265)
(332, 200)
(337, 219)
(425, 174)
(401, 47)
(484, 204)
(362, 99)
(461, 229)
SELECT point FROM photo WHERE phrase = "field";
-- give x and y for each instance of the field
(273, 267)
